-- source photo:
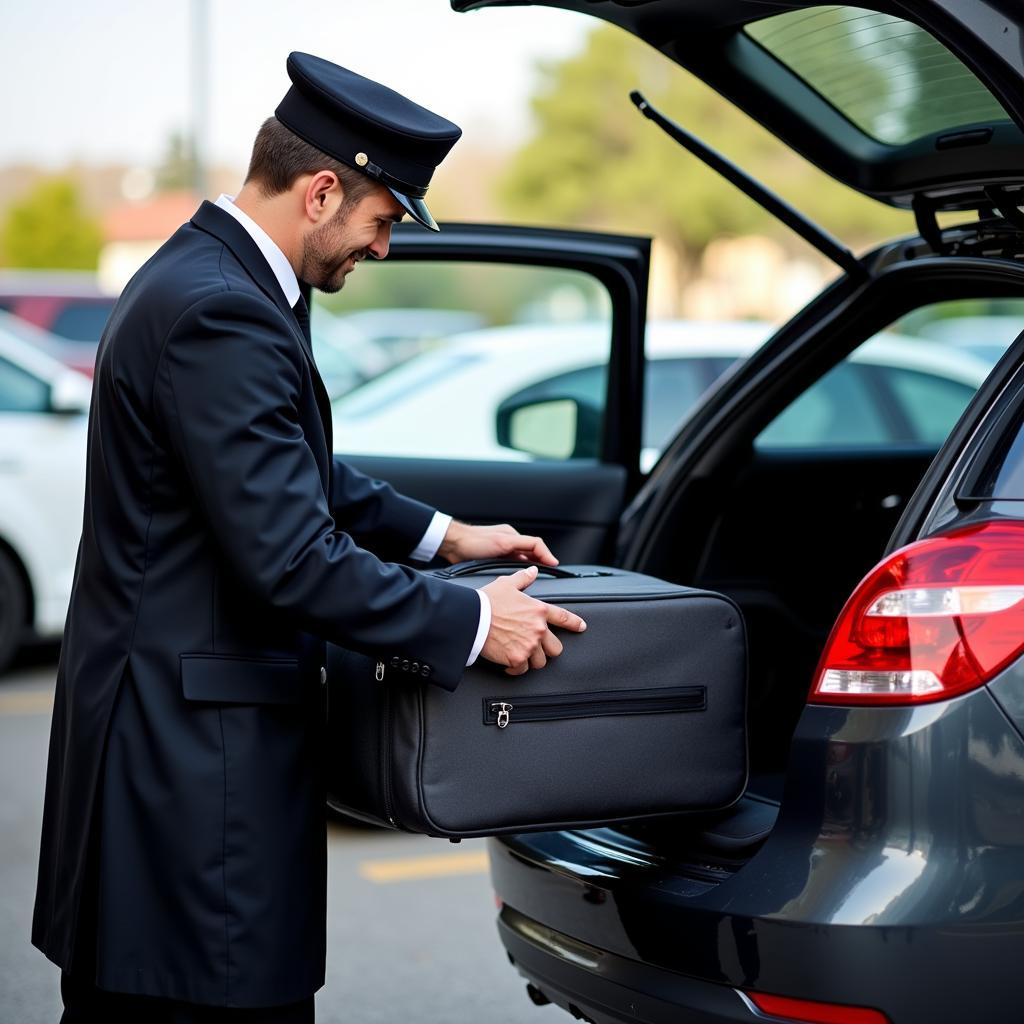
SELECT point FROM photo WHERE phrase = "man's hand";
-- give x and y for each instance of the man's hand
(520, 637)
(463, 542)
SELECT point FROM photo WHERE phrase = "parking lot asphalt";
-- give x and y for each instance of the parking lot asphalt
(411, 933)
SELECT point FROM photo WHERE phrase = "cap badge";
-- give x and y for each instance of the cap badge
(362, 159)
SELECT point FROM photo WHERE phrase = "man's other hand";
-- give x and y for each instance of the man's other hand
(463, 543)
(520, 636)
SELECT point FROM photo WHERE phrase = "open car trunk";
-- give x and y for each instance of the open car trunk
(789, 568)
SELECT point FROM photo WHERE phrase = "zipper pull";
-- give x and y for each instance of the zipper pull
(379, 674)
(503, 710)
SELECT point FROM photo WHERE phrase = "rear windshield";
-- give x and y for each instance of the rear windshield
(889, 77)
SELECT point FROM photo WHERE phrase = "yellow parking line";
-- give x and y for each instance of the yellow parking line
(407, 868)
(26, 702)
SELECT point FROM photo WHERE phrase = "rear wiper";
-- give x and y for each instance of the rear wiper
(764, 197)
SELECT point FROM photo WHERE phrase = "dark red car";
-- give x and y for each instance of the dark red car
(68, 304)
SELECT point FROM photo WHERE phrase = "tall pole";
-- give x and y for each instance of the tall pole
(199, 90)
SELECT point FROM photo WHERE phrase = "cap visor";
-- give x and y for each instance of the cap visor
(418, 209)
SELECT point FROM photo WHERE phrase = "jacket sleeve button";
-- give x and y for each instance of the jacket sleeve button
(323, 675)
(396, 661)
(425, 671)
(414, 667)
(405, 664)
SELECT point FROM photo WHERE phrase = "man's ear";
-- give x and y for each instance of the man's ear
(322, 196)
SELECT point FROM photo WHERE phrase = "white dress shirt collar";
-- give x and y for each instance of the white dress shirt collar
(272, 253)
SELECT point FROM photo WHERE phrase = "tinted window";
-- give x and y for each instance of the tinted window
(82, 321)
(838, 411)
(906, 385)
(931, 404)
(671, 387)
(20, 391)
(889, 77)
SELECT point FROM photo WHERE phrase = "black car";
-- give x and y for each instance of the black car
(874, 869)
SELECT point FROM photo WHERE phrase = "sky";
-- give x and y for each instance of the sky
(109, 80)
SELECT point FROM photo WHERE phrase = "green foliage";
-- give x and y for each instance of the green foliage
(595, 161)
(49, 229)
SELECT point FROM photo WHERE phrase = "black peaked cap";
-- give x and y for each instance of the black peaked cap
(367, 126)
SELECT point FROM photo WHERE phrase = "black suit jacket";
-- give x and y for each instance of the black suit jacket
(220, 538)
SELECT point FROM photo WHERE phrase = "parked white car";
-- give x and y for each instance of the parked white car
(447, 403)
(43, 420)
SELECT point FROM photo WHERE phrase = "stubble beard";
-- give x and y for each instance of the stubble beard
(320, 264)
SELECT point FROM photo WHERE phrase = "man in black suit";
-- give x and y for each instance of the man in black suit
(182, 869)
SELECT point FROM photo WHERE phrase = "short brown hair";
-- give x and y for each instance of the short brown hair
(279, 156)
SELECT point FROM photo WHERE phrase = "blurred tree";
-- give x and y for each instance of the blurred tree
(595, 161)
(177, 166)
(49, 229)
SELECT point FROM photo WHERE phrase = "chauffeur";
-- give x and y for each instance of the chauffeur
(182, 870)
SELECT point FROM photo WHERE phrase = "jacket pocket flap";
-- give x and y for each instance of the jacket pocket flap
(227, 679)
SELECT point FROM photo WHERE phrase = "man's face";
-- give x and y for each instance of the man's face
(332, 249)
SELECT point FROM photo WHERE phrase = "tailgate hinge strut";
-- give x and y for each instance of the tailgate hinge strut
(764, 197)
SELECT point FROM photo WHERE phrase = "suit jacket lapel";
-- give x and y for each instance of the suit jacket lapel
(216, 222)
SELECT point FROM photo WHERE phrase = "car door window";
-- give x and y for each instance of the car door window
(436, 352)
(907, 385)
(931, 404)
(82, 321)
(21, 391)
(838, 411)
(671, 389)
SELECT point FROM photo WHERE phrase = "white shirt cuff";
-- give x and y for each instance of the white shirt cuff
(431, 540)
(483, 629)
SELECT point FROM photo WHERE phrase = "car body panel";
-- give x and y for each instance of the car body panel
(574, 508)
(42, 483)
(865, 860)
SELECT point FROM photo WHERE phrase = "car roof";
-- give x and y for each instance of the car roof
(769, 58)
(64, 284)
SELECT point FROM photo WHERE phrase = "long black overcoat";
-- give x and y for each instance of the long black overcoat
(222, 544)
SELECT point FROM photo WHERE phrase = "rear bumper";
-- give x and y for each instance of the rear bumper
(893, 879)
(593, 984)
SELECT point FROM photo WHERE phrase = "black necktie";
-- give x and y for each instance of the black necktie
(302, 315)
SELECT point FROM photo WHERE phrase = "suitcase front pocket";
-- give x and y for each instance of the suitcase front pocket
(501, 711)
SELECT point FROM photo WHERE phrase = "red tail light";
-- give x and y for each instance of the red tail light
(935, 619)
(785, 1008)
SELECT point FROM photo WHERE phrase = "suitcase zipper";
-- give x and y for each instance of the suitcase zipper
(586, 705)
(386, 725)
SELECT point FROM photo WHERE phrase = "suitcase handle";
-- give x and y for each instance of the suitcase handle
(485, 565)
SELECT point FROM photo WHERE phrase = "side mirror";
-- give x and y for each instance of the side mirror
(70, 394)
(555, 427)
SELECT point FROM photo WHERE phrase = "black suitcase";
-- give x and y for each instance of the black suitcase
(643, 714)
